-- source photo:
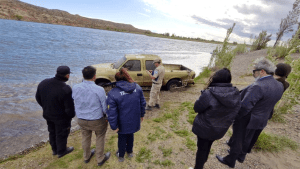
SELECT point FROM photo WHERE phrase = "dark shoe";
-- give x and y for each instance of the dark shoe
(239, 158)
(54, 153)
(221, 159)
(107, 155)
(92, 153)
(148, 108)
(129, 155)
(68, 150)
(157, 106)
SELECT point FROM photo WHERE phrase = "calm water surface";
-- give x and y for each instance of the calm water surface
(31, 52)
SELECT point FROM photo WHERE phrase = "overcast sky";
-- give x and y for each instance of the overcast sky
(207, 19)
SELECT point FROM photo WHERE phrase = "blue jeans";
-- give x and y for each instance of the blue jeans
(125, 143)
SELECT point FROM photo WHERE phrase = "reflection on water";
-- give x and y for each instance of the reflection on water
(31, 52)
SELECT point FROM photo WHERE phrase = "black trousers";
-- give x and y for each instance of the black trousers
(125, 143)
(203, 152)
(237, 139)
(59, 131)
(249, 141)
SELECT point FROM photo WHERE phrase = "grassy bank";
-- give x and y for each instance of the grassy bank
(154, 146)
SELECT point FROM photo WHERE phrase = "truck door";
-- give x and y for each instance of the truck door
(134, 70)
(149, 66)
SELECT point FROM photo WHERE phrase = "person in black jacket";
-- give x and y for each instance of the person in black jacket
(55, 97)
(217, 107)
(258, 100)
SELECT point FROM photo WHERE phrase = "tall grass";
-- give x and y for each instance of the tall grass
(273, 143)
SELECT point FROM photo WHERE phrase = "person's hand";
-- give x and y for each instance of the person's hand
(116, 130)
(150, 71)
(142, 118)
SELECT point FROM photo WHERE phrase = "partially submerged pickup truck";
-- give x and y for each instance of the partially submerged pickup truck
(137, 64)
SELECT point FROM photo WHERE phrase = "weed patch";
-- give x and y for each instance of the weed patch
(274, 143)
(190, 144)
(166, 152)
(143, 155)
(182, 133)
(164, 163)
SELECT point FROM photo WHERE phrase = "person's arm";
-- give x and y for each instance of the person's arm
(142, 102)
(38, 97)
(252, 96)
(68, 102)
(102, 97)
(155, 74)
(112, 112)
(202, 103)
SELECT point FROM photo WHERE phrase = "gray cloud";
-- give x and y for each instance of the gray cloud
(268, 20)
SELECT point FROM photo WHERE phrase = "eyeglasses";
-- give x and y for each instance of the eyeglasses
(256, 70)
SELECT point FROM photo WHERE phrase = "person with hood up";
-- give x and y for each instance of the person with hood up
(126, 109)
(217, 108)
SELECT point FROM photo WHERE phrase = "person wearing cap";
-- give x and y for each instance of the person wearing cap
(126, 109)
(157, 77)
(90, 108)
(55, 97)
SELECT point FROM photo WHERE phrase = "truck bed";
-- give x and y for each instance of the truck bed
(175, 68)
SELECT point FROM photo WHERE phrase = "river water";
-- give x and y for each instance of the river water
(31, 52)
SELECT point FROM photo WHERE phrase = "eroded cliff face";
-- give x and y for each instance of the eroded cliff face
(17, 10)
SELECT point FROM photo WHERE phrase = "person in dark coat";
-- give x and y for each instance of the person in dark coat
(126, 109)
(281, 73)
(217, 107)
(258, 100)
(55, 97)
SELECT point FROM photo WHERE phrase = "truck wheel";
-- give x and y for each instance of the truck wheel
(106, 88)
(172, 84)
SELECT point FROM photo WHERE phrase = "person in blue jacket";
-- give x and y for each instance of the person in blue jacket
(126, 109)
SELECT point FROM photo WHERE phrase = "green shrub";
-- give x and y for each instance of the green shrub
(19, 17)
(261, 41)
(222, 56)
(204, 74)
(240, 49)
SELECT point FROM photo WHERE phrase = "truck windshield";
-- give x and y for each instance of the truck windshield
(119, 62)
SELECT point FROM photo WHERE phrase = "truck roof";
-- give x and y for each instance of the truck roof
(141, 56)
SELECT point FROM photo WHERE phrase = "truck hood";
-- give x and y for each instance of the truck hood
(103, 66)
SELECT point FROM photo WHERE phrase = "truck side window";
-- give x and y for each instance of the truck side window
(150, 65)
(133, 65)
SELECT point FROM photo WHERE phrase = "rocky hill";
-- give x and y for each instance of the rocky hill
(17, 10)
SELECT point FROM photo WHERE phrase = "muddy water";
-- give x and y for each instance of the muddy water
(31, 52)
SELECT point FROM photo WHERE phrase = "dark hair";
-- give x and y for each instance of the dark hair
(120, 76)
(88, 72)
(221, 76)
(283, 70)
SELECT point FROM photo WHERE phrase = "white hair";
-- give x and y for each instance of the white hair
(263, 63)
